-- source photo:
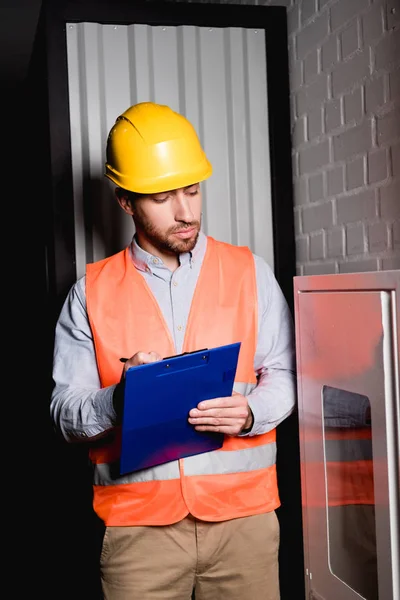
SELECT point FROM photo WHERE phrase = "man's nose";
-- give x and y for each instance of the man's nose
(183, 209)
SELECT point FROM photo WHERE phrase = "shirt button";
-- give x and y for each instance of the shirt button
(180, 327)
(155, 261)
(175, 283)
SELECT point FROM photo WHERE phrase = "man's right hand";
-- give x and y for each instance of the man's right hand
(140, 358)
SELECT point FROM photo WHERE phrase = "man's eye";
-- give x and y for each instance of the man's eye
(193, 192)
(160, 200)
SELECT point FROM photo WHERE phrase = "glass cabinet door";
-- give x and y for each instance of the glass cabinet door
(349, 484)
(347, 396)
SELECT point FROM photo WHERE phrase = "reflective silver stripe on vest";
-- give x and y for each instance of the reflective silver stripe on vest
(107, 474)
(243, 388)
(235, 461)
(209, 463)
(348, 450)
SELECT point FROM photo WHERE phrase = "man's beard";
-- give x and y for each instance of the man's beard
(166, 242)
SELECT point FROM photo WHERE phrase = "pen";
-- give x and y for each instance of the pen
(123, 360)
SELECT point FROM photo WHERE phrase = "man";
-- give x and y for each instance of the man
(205, 523)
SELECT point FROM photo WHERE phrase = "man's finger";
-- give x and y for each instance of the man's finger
(142, 358)
(228, 401)
(225, 413)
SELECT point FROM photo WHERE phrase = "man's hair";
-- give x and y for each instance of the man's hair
(132, 196)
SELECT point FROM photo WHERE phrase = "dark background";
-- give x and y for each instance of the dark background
(54, 535)
(17, 31)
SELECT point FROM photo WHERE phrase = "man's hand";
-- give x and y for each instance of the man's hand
(140, 358)
(229, 415)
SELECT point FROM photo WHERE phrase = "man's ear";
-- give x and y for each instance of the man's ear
(123, 200)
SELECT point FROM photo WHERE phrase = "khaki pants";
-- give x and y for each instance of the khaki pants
(229, 560)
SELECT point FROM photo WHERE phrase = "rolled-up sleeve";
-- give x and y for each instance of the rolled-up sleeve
(274, 397)
(79, 408)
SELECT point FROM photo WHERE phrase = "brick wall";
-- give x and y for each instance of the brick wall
(345, 114)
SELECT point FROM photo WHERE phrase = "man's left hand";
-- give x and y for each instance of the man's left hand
(228, 415)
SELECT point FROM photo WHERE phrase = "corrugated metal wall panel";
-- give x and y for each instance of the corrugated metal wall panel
(217, 78)
(260, 172)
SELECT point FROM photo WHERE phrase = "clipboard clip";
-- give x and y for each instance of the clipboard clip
(185, 353)
(124, 360)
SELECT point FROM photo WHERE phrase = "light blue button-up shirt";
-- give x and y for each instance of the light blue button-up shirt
(82, 410)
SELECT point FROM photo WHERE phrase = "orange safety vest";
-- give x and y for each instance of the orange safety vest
(237, 480)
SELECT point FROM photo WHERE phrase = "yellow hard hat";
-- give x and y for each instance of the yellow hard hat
(153, 149)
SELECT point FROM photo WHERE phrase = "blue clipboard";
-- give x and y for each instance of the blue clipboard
(158, 398)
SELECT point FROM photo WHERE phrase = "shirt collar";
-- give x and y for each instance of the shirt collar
(144, 261)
